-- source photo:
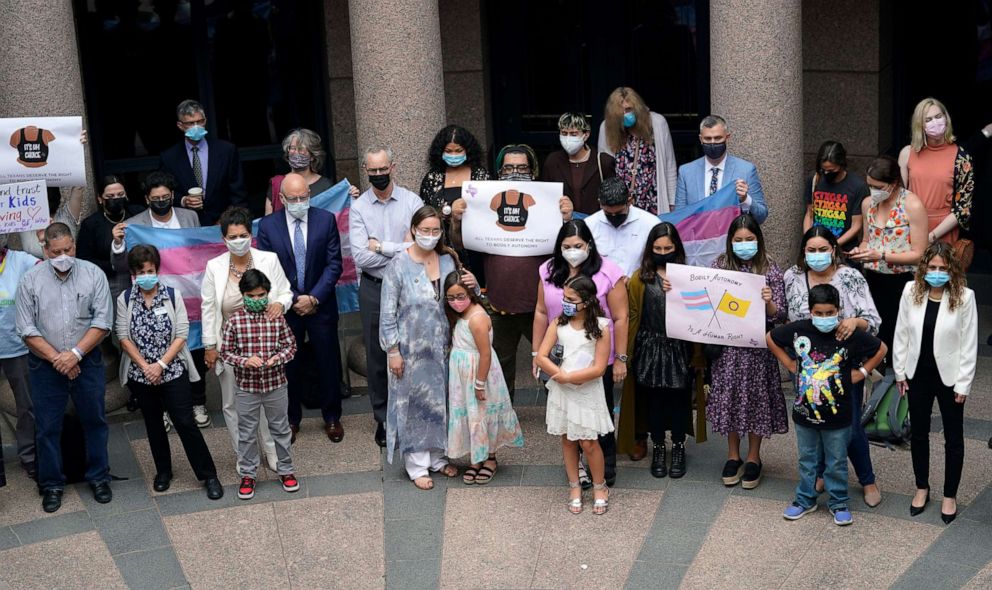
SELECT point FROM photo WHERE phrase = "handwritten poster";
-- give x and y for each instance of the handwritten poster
(714, 306)
(42, 148)
(511, 218)
(23, 206)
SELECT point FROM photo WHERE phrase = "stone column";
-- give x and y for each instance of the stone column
(399, 84)
(756, 83)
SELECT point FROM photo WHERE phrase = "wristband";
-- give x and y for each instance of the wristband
(864, 372)
(79, 355)
(480, 384)
(164, 366)
(533, 355)
(393, 353)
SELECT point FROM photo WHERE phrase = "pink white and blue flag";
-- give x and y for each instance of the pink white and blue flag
(185, 253)
(696, 300)
(703, 225)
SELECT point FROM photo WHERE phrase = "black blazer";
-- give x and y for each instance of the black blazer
(225, 186)
(585, 198)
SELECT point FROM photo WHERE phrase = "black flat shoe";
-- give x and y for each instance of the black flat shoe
(162, 482)
(215, 491)
(380, 435)
(918, 510)
(948, 518)
(102, 493)
(658, 467)
(51, 500)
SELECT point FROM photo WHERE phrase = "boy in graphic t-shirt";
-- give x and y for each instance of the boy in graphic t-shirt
(825, 370)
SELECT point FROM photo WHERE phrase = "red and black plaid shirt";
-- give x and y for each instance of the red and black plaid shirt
(249, 334)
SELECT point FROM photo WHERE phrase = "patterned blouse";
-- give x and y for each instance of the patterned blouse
(635, 164)
(893, 238)
(151, 332)
(432, 185)
(855, 298)
(964, 186)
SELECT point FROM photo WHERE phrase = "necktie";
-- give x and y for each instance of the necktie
(300, 253)
(713, 184)
(197, 169)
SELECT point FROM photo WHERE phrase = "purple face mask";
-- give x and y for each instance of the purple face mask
(936, 127)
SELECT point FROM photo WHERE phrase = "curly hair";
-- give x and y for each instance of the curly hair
(460, 136)
(955, 287)
(586, 289)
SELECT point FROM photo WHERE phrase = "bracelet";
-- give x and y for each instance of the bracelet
(477, 388)
(393, 353)
(864, 372)
(79, 355)
(533, 355)
(163, 365)
(480, 384)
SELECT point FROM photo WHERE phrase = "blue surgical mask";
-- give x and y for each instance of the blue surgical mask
(298, 210)
(568, 308)
(826, 324)
(629, 119)
(937, 278)
(745, 250)
(146, 282)
(196, 133)
(453, 160)
(819, 261)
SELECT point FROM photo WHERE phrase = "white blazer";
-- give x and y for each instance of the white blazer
(955, 339)
(215, 281)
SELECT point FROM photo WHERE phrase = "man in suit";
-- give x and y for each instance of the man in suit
(701, 178)
(212, 166)
(309, 249)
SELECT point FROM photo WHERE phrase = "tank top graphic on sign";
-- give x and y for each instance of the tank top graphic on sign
(32, 153)
(512, 217)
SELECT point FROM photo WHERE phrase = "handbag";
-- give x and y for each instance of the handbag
(964, 251)
(556, 356)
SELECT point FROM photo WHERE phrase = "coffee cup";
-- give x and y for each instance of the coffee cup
(196, 192)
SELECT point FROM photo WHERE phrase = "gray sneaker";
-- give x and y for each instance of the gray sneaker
(201, 417)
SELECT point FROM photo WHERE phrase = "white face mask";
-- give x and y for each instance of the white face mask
(298, 210)
(238, 246)
(878, 195)
(575, 256)
(62, 262)
(570, 144)
(427, 242)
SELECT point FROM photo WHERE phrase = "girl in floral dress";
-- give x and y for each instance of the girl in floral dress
(746, 395)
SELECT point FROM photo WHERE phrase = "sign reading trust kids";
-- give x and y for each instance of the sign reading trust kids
(23, 206)
(714, 306)
(511, 218)
(42, 148)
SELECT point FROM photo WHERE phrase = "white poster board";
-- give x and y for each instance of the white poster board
(511, 218)
(23, 206)
(714, 306)
(42, 148)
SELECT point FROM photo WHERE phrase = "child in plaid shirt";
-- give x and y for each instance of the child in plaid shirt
(258, 346)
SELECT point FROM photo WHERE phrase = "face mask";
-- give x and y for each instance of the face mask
(745, 250)
(62, 262)
(569, 309)
(460, 305)
(427, 242)
(256, 305)
(160, 208)
(238, 246)
(714, 151)
(829, 176)
(575, 256)
(195, 133)
(826, 324)
(616, 219)
(819, 261)
(299, 161)
(663, 259)
(878, 195)
(146, 282)
(629, 119)
(570, 144)
(298, 210)
(517, 176)
(114, 207)
(936, 127)
(453, 160)
(379, 181)
(937, 278)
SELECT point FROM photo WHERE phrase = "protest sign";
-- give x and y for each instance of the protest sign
(511, 218)
(714, 306)
(23, 206)
(42, 148)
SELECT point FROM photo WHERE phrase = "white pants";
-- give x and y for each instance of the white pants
(419, 464)
(228, 398)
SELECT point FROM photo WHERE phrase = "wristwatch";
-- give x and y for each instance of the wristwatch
(622, 358)
(378, 248)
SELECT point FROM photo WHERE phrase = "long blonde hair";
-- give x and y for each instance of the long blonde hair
(955, 287)
(616, 134)
(918, 126)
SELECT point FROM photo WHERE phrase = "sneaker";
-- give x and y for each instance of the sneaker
(795, 511)
(584, 480)
(201, 417)
(842, 517)
(752, 475)
(733, 469)
(289, 482)
(247, 488)
(168, 423)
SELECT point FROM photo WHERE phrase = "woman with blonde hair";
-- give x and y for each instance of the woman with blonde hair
(641, 144)
(939, 171)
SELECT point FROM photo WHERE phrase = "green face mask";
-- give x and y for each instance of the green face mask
(256, 305)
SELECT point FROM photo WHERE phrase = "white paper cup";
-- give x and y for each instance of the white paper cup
(196, 192)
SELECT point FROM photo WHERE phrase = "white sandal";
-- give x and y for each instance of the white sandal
(575, 504)
(599, 507)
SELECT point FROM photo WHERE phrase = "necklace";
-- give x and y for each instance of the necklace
(240, 273)
(121, 220)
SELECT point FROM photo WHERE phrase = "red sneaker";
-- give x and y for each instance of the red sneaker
(247, 488)
(289, 482)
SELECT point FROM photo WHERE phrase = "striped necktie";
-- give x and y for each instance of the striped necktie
(197, 168)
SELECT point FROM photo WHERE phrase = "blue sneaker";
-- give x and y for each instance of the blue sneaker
(795, 511)
(842, 517)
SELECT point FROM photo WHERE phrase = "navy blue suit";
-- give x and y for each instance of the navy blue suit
(225, 187)
(321, 273)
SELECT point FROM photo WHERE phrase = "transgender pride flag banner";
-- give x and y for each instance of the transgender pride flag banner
(703, 225)
(185, 253)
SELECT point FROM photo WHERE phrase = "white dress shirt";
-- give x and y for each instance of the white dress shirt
(173, 222)
(623, 245)
(291, 223)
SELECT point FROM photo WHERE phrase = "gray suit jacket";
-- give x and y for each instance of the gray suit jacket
(186, 219)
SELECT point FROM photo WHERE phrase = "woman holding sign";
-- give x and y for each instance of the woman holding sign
(745, 387)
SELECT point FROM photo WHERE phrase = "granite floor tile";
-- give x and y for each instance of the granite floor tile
(419, 574)
(7, 538)
(21, 502)
(129, 496)
(540, 448)
(60, 524)
(965, 542)
(929, 572)
(314, 454)
(152, 570)
(418, 538)
(544, 475)
(134, 531)
(657, 576)
(344, 483)
(403, 500)
(982, 580)
(695, 501)
(672, 539)
(76, 561)
(196, 501)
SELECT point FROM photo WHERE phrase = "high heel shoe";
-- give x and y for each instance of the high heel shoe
(949, 518)
(918, 510)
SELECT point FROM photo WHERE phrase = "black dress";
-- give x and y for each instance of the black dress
(659, 361)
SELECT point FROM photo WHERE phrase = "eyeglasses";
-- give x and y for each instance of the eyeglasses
(459, 297)
(519, 168)
(295, 199)
(378, 171)
(433, 233)
(166, 199)
(187, 124)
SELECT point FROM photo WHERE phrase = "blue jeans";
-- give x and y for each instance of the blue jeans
(50, 391)
(857, 449)
(829, 447)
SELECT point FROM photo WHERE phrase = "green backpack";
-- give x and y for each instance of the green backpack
(885, 417)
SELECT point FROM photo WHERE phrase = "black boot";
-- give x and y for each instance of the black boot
(658, 468)
(678, 460)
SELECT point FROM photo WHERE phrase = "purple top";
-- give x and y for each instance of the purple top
(203, 158)
(608, 276)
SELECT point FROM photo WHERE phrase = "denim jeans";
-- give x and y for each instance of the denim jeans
(50, 391)
(830, 447)
(857, 449)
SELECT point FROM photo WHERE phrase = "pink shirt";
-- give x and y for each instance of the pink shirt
(608, 276)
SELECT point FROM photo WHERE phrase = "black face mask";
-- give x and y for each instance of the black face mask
(714, 151)
(160, 208)
(663, 259)
(616, 219)
(114, 207)
(829, 176)
(379, 181)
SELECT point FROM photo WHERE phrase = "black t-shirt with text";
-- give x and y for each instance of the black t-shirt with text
(834, 203)
(823, 372)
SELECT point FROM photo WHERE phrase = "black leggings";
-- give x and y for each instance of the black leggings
(886, 291)
(922, 390)
(667, 409)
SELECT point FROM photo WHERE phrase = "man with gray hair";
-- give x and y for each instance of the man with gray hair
(701, 178)
(64, 311)
(208, 173)
(378, 229)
